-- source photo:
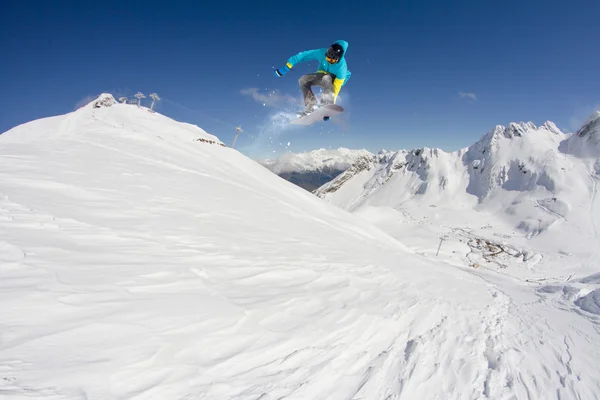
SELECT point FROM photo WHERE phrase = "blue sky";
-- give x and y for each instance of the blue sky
(410, 61)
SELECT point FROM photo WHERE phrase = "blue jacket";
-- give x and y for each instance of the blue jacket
(339, 69)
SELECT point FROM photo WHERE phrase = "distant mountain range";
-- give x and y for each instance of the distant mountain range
(531, 176)
(313, 169)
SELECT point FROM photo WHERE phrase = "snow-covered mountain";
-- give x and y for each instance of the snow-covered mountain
(510, 167)
(313, 169)
(140, 258)
(536, 184)
(516, 157)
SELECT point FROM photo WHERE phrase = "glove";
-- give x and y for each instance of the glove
(283, 70)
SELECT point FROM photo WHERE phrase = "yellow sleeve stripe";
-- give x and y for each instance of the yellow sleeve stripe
(337, 86)
(289, 65)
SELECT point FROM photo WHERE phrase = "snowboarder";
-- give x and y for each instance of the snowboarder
(331, 74)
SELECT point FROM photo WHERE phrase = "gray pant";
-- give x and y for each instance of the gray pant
(322, 79)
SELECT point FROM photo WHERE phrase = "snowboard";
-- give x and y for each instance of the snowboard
(320, 114)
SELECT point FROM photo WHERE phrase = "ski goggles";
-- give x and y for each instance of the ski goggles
(331, 60)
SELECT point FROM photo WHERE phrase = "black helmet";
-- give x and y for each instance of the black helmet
(335, 52)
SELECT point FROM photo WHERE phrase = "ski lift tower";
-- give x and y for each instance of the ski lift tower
(154, 97)
(139, 96)
(238, 130)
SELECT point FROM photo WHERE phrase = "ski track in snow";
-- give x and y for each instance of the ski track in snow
(145, 268)
(549, 211)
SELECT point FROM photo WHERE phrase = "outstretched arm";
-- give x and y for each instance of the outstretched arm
(305, 56)
(301, 57)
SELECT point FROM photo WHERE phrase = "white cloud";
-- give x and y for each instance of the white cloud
(467, 95)
(270, 99)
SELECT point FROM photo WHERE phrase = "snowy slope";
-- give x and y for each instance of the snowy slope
(139, 262)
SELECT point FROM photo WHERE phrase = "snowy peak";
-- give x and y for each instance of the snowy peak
(104, 100)
(518, 129)
(104, 116)
(384, 165)
(513, 158)
(516, 135)
(362, 164)
(551, 127)
(591, 127)
(586, 141)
